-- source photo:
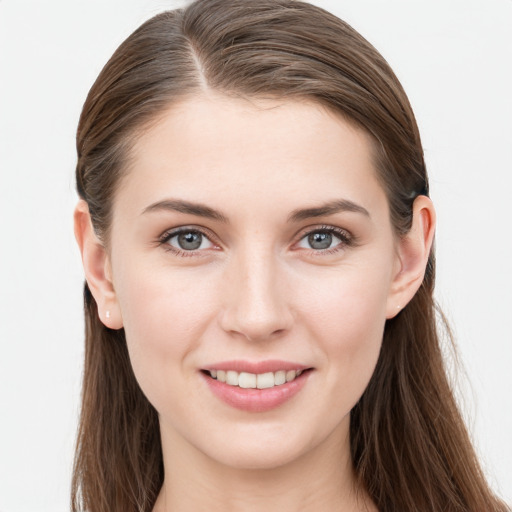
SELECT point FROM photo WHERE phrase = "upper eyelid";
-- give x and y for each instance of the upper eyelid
(324, 227)
(169, 233)
(205, 231)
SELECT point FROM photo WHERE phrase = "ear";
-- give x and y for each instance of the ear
(98, 272)
(413, 252)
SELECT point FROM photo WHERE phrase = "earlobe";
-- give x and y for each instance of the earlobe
(97, 268)
(413, 253)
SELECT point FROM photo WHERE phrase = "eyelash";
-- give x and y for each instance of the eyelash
(164, 239)
(346, 240)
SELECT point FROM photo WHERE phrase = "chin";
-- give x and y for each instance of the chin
(267, 447)
(259, 456)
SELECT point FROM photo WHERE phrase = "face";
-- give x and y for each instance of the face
(251, 242)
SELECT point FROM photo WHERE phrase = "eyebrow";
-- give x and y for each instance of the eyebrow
(201, 210)
(330, 208)
(178, 205)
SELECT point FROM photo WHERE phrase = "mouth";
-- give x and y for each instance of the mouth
(246, 380)
(268, 386)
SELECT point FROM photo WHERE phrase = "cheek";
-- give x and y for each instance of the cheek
(345, 302)
(346, 317)
(164, 317)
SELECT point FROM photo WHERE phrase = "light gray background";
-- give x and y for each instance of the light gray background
(454, 59)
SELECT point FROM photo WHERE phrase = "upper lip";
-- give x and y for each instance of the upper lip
(271, 365)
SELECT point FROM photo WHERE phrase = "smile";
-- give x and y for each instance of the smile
(256, 387)
(248, 380)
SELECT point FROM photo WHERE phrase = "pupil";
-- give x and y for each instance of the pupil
(320, 240)
(190, 241)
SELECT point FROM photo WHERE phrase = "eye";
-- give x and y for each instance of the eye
(186, 240)
(325, 239)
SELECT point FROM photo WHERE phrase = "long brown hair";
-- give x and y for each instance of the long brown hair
(409, 445)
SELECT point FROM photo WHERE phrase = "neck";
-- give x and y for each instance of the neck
(321, 479)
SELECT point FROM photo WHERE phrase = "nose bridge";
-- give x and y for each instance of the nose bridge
(256, 305)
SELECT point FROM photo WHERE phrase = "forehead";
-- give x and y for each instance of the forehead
(211, 147)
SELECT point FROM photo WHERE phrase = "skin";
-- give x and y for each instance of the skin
(255, 290)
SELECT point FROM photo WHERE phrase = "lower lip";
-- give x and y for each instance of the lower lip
(256, 400)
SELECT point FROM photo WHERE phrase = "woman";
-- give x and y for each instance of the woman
(256, 235)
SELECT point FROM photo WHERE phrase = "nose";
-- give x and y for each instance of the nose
(256, 305)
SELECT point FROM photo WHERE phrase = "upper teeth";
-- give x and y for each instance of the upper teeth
(253, 380)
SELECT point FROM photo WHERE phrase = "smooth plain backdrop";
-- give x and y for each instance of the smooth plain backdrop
(454, 59)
